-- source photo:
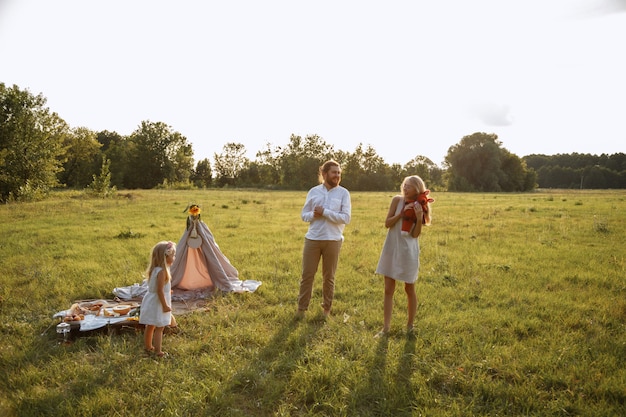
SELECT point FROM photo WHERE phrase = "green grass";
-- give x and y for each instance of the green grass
(522, 310)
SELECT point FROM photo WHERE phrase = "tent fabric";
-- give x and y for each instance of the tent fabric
(205, 268)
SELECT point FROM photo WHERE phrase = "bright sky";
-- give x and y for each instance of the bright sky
(407, 77)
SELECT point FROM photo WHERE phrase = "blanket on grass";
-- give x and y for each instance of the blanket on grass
(87, 315)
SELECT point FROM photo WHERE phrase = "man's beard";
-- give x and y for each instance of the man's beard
(332, 182)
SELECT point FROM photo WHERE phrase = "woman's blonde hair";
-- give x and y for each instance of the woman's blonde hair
(418, 183)
(160, 251)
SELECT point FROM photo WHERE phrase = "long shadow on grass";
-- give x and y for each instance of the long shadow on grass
(371, 396)
(384, 393)
(264, 381)
(404, 393)
(62, 392)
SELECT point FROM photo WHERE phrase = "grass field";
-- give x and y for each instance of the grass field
(522, 310)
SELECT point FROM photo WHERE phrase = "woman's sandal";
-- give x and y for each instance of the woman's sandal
(163, 355)
(149, 352)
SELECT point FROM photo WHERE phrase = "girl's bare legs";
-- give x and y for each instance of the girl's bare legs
(147, 337)
(412, 304)
(158, 340)
(390, 288)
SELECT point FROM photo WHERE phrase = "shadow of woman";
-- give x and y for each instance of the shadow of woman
(403, 380)
(264, 380)
(370, 397)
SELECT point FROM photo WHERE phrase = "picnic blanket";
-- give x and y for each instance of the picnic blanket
(87, 315)
(94, 314)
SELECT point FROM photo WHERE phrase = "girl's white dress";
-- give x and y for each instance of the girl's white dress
(399, 258)
(151, 310)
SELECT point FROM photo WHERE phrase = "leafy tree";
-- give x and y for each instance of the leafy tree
(421, 166)
(159, 155)
(269, 167)
(535, 161)
(250, 175)
(300, 161)
(516, 177)
(479, 163)
(579, 170)
(352, 169)
(396, 175)
(107, 139)
(230, 163)
(101, 184)
(365, 170)
(339, 156)
(202, 176)
(426, 169)
(615, 162)
(579, 160)
(558, 177)
(31, 144)
(473, 164)
(81, 158)
(613, 179)
(182, 159)
(119, 150)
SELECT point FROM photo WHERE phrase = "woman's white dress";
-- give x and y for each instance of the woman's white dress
(151, 310)
(399, 258)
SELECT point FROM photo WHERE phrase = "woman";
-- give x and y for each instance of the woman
(399, 259)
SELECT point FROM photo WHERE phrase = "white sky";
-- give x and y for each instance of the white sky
(406, 77)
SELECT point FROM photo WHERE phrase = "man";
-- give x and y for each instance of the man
(327, 209)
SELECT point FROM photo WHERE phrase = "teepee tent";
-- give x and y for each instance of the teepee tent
(203, 266)
(200, 265)
(199, 269)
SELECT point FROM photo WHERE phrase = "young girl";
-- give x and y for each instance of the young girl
(399, 260)
(156, 307)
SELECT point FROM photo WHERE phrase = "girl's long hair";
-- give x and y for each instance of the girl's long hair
(160, 251)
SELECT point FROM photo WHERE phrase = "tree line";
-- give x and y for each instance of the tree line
(583, 171)
(39, 152)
